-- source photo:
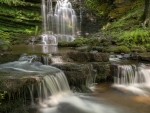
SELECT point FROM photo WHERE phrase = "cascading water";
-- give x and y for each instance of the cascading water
(49, 89)
(90, 81)
(133, 78)
(50, 83)
(60, 24)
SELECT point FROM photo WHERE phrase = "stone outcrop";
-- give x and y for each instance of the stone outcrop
(83, 57)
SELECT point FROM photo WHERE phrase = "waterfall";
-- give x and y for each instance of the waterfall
(133, 78)
(50, 89)
(60, 24)
(125, 74)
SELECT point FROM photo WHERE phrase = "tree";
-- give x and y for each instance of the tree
(146, 14)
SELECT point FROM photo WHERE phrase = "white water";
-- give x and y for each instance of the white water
(133, 79)
(60, 24)
(74, 104)
(56, 59)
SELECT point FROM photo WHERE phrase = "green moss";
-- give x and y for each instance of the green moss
(120, 49)
(19, 19)
(63, 43)
(139, 49)
(80, 41)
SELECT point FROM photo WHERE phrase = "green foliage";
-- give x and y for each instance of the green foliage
(93, 42)
(127, 29)
(120, 49)
(97, 7)
(16, 2)
(137, 36)
(19, 18)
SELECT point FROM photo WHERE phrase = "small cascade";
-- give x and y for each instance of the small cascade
(133, 78)
(60, 24)
(45, 60)
(91, 77)
(125, 74)
(50, 89)
(56, 59)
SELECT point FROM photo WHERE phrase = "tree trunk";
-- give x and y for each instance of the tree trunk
(146, 15)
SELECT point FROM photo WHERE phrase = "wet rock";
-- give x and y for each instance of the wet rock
(88, 57)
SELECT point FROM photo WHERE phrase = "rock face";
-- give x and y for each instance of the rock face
(84, 56)
(83, 64)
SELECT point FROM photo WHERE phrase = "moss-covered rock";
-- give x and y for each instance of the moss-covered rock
(119, 49)
(8, 57)
(103, 71)
(139, 49)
